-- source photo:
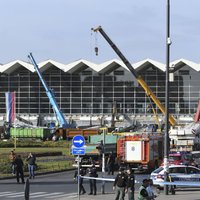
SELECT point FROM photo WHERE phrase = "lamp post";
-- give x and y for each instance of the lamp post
(103, 161)
(166, 145)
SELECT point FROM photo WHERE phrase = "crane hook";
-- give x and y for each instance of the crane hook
(96, 49)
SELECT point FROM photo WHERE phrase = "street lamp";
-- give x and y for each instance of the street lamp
(166, 145)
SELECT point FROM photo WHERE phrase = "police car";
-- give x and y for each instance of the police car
(181, 173)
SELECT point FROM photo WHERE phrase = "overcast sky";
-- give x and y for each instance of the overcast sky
(60, 29)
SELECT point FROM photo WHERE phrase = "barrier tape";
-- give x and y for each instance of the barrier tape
(179, 183)
(103, 179)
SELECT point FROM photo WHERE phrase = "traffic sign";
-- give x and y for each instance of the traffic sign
(78, 141)
(78, 151)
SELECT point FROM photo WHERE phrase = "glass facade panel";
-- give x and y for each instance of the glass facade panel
(88, 92)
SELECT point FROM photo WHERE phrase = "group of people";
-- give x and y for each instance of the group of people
(125, 183)
(92, 173)
(17, 165)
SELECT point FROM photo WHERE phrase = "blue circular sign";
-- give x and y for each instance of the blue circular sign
(78, 141)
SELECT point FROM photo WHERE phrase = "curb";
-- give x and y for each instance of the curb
(37, 174)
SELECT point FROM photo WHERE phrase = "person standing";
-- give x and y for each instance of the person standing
(31, 165)
(143, 194)
(120, 184)
(82, 172)
(110, 163)
(92, 171)
(150, 191)
(12, 158)
(130, 188)
(19, 168)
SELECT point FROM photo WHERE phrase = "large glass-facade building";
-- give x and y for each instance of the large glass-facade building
(85, 88)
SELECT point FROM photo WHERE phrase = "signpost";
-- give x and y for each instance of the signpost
(78, 143)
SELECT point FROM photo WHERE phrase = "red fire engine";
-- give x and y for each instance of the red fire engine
(141, 151)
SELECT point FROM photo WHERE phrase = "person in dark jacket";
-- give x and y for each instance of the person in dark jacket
(120, 184)
(82, 172)
(19, 168)
(31, 165)
(130, 187)
(92, 171)
(111, 163)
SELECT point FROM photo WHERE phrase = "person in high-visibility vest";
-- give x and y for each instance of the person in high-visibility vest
(143, 194)
(171, 187)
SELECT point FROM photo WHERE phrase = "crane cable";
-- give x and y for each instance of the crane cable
(96, 49)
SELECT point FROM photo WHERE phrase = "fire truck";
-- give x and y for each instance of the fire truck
(143, 151)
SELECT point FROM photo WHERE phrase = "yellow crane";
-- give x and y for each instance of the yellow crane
(143, 84)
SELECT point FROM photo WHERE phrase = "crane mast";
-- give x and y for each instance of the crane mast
(143, 84)
(59, 115)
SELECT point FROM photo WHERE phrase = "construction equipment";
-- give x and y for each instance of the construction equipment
(143, 84)
(64, 129)
(186, 137)
(183, 137)
(59, 115)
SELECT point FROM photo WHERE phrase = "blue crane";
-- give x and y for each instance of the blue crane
(59, 115)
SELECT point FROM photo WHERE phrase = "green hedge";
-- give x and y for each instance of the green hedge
(33, 143)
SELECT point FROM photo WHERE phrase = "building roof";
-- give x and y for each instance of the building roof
(104, 67)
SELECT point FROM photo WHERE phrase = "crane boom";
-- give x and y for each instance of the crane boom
(60, 117)
(143, 84)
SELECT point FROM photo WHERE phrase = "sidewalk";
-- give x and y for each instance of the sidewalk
(180, 195)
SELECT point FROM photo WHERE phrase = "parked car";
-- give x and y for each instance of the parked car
(181, 173)
(181, 158)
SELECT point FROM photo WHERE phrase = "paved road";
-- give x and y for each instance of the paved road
(62, 187)
(181, 195)
(52, 186)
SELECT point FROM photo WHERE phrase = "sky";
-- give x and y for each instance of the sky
(61, 30)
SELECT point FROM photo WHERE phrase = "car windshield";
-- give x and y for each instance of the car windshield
(158, 170)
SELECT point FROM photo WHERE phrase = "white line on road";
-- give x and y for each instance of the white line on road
(47, 194)
(35, 193)
(4, 193)
(21, 195)
(11, 194)
(71, 195)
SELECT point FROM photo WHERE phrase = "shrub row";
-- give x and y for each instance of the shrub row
(33, 143)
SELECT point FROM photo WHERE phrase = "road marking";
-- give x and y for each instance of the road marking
(10, 194)
(71, 195)
(21, 195)
(4, 193)
(47, 194)
(35, 195)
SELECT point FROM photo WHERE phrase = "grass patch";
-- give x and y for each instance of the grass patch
(52, 156)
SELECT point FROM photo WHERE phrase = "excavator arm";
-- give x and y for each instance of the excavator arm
(143, 84)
